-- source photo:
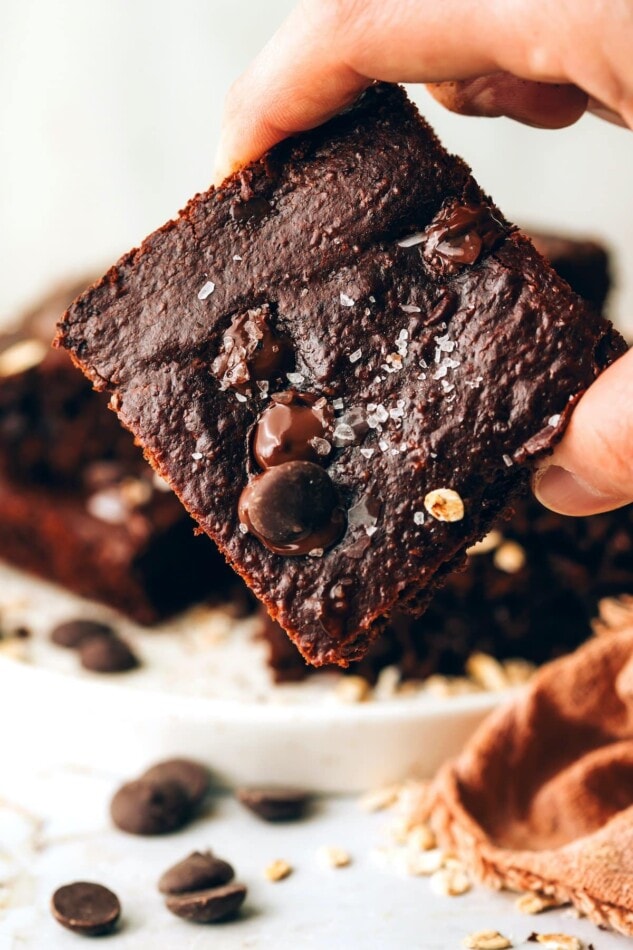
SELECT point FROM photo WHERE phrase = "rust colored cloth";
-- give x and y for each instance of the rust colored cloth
(541, 798)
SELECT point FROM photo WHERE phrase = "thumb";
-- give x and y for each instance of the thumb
(592, 468)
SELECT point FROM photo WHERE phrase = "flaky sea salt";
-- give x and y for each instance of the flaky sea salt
(237, 257)
(377, 415)
(321, 446)
(367, 453)
(355, 356)
(240, 397)
(196, 456)
(346, 301)
(337, 403)
(554, 420)
(418, 517)
(410, 308)
(206, 290)
(507, 460)
(344, 435)
(411, 239)
(295, 378)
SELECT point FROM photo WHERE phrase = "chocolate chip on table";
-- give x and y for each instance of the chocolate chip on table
(194, 777)
(86, 908)
(293, 509)
(72, 633)
(199, 871)
(275, 804)
(107, 654)
(208, 906)
(150, 808)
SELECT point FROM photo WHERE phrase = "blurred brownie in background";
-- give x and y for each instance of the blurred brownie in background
(532, 586)
(582, 262)
(78, 503)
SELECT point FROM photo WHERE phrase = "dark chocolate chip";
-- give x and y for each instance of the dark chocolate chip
(72, 633)
(294, 426)
(459, 235)
(251, 350)
(275, 804)
(107, 654)
(293, 509)
(194, 777)
(197, 872)
(150, 808)
(206, 907)
(86, 908)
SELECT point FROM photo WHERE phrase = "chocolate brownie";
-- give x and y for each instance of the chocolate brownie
(78, 503)
(583, 263)
(360, 269)
(50, 421)
(530, 591)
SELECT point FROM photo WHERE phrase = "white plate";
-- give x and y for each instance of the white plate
(203, 690)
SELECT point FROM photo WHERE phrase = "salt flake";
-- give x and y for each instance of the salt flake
(411, 240)
(206, 290)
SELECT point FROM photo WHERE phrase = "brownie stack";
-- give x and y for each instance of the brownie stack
(78, 503)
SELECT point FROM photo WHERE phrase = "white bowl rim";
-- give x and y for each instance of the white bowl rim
(147, 700)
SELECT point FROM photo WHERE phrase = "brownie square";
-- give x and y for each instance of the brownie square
(533, 586)
(424, 353)
(78, 503)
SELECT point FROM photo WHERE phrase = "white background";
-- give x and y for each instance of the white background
(110, 111)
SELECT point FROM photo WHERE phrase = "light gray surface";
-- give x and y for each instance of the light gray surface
(66, 836)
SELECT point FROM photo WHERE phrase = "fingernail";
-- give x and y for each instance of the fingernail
(567, 494)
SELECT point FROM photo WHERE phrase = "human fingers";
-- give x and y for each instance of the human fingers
(592, 468)
(545, 105)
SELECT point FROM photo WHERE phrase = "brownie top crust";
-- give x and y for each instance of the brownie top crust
(360, 271)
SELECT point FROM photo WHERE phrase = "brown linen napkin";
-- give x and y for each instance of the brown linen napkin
(541, 798)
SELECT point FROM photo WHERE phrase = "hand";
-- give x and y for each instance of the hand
(542, 62)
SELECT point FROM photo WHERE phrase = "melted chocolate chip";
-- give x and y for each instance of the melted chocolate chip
(294, 427)
(251, 350)
(459, 234)
(293, 509)
(334, 607)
